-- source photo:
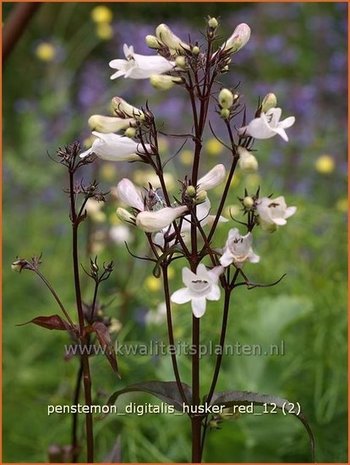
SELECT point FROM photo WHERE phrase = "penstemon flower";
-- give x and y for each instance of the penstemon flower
(268, 125)
(137, 66)
(238, 249)
(108, 124)
(166, 37)
(154, 221)
(124, 110)
(129, 194)
(213, 178)
(273, 212)
(200, 287)
(113, 147)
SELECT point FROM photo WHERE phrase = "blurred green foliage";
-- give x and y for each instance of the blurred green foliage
(307, 310)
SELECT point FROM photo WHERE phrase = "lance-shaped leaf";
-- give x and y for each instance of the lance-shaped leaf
(228, 399)
(50, 322)
(105, 340)
(166, 391)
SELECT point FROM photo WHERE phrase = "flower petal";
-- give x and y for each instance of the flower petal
(287, 123)
(181, 296)
(214, 293)
(129, 194)
(198, 306)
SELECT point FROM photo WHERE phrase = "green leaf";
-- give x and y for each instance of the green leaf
(166, 391)
(231, 398)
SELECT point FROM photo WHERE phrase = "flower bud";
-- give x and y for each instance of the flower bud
(130, 132)
(191, 191)
(17, 265)
(124, 109)
(247, 162)
(269, 101)
(238, 39)
(201, 196)
(226, 98)
(248, 202)
(154, 221)
(213, 23)
(168, 38)
(152, 42)
(195, 50)
(106, 124)
(125, 216)
(213, 178)
(181, 61)
(225, 113)
(163, 82)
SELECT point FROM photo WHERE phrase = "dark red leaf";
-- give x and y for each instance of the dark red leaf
(105, 340)
(49, 322)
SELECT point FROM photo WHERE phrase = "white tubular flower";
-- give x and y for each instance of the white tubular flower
(213, 178)
(273, 212)
(137, 66)
(236, 41)
(113, 147)
(247, 162)
(268, 125)
(123, 108)
(129, 194)
(108, 124)
(154, 221)
(161, 82)
(200, 287)
(238, 249)
(166, 36)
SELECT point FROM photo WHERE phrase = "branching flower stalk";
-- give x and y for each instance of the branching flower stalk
(181, 225)
(177, 229)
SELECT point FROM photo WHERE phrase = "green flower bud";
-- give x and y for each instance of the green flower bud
(213, 23)
(191, 191)
(269, 101)
(195, 50)
(248, 202)
(130, 132)
(163, 82)
(225, 113)
(226, 98)
(201, 196)
(181, 61)
(125, 216)
(152, 42)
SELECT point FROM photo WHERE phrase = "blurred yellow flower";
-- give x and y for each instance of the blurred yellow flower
(142, 178)
(213, 147)
(101, 14)
(186, 157)
(342, 205)
(325, 164)
(108, 171)
(252, 181)
(152, 284)
(45, 51)
(104, 31)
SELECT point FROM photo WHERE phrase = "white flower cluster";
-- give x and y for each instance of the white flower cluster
(147, 209)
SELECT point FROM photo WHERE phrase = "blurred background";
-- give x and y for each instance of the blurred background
(56, 77)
